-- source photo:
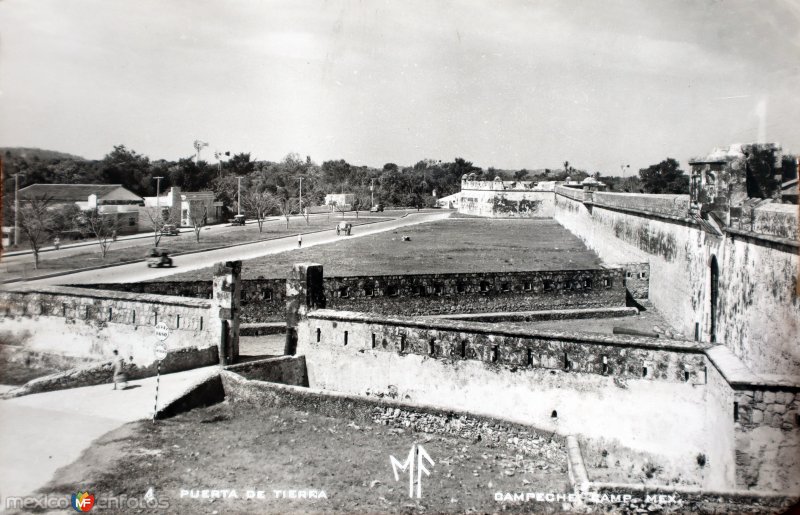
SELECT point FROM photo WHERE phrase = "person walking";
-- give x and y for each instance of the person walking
(299, 240)
(119, 371)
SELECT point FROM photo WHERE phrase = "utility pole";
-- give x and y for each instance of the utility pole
(239, 206)
(301, 196)
(158, 195)
(623, 167)
(16, 208)
(372, 192)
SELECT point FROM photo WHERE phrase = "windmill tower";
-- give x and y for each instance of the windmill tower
(197, 146)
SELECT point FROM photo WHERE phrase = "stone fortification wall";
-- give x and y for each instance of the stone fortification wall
(423, 294)
(623, 392)
(670, 205)
(757, 310)
(90, 324)
(666, 398)
(86, 324)
(498, 199)
(779, 220)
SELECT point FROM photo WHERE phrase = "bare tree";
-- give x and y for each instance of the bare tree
(102, 228)
(286, 207)
(157, 222)
(342, 208)
(38, 222)
(361, 201)
(198, 219)
(260, 204)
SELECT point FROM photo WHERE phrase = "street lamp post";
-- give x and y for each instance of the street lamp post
(372, 192)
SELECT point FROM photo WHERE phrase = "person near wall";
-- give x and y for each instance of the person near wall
(299, 240)
(119, 371)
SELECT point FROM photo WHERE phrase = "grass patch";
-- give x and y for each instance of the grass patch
(452, 245)
(286, 449)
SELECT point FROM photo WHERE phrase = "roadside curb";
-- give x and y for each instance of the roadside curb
(186, 253)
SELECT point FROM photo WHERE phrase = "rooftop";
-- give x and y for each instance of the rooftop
(67, 192)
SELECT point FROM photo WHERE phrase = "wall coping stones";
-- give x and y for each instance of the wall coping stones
(109, 295)
(507, 330)
(550, 314)
(742, 378)
(765, 239)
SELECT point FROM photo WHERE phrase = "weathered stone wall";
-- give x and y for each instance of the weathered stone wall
(767, 437)
(777, 220)
(284, 370)
(424, 294)
(498, 199)
(757, 312)
(396, 413)
(90, 324)
(672, 205)
(648, 395)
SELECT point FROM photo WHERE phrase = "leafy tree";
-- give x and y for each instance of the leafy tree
(125, 167)
(520, 175)
(761, 173)
(664, 177)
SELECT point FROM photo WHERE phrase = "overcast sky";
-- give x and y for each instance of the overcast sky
(507, 84)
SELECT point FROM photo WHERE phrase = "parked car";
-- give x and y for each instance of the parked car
(377, 208)
(170, 230)
(343, 227)
(237, 220)
(158, 257)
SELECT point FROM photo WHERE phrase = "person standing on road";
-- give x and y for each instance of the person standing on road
(299, 240)
(119, 371)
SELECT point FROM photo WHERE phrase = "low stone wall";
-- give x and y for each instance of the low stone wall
(78, 323)
(423, 294)
(102, 373)
(389, 412)
(284, 370)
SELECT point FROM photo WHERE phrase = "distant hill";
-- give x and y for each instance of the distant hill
(41, 154)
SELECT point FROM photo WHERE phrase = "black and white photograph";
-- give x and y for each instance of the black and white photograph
(411, 257)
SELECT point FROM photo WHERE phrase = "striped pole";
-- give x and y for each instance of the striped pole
(158, 381)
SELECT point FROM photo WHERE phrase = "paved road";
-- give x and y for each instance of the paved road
(43, 432)
(137, 272)
(142, 240)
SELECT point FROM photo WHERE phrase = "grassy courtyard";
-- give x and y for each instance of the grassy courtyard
(284, 449)
(452, 245)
